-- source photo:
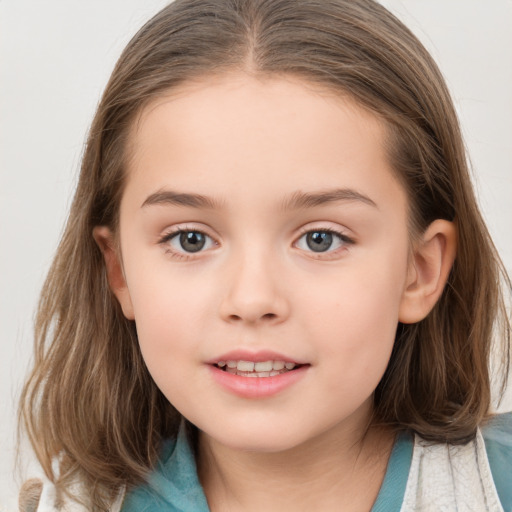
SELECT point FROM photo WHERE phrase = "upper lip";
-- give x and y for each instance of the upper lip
(256, 357)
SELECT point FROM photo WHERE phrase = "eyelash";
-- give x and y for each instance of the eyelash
(184, 255)
(181, 255)
(342, 237)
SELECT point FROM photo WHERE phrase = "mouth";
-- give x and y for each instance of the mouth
(256, 375)
(262, 369)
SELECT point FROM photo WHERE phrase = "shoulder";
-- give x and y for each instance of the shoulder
(30, 495)
(40, 495)
(473, 476)
(497, 434)
(173, 484)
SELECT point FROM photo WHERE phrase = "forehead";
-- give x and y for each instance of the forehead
(237, 129)
(239, 101)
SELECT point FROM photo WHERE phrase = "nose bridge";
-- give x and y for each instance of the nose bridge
(254, 291)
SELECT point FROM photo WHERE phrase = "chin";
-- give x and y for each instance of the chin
(259, 444)
(268, 439)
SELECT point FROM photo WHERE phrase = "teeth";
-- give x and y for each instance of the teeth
(260, 369)
(263, 367)
(245, 366)
(251, 369)
(256, 374)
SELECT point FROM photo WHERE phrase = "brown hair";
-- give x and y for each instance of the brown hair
(90, 399)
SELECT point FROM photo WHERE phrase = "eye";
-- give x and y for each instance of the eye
(322, 240)
(188, 241)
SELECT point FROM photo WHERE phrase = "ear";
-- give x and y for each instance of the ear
(115, 274)
(429, 268)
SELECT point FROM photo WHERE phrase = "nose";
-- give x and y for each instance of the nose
(254, 294)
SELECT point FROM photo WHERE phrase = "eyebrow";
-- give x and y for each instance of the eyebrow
(302, 200)
(297, 201)
(170, 197)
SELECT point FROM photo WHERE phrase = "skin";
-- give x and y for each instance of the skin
(249, 145)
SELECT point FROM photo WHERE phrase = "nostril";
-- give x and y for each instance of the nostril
(266, 316)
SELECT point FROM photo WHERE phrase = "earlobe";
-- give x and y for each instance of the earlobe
(429, 268)
(105, 240)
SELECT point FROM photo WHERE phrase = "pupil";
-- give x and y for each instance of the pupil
(319, 241)
(192, 241)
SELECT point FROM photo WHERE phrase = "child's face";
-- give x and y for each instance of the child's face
(261, 221)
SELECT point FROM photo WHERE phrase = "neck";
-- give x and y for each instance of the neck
(341, 469)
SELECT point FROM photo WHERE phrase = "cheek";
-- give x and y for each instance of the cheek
(169, 349)
(173, 310)
(163, 319)
(158, 306)
(354, 314)
(360, 327)
(356, 340)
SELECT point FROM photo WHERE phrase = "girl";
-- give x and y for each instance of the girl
(275, 290)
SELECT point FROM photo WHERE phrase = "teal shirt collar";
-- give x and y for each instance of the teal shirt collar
(174, 486)
(392, 491)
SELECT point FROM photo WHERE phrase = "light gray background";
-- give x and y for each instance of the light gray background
(55, 59)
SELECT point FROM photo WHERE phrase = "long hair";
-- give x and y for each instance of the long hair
(90, 400)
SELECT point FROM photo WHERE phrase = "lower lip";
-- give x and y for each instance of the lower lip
(257, 387)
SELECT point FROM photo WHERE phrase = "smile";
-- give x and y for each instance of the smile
(256, 376)
(256, 369)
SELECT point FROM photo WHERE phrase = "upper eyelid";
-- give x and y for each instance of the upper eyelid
(338, 230)
(169, 232)
(346, 238)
